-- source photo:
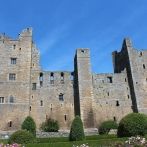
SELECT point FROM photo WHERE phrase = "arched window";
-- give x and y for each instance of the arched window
(11, 99)
(117, 103)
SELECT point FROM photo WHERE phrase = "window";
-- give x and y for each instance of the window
(140, 54)
(71, 76)
(52, 78)
(11, 99)
(128, 96)
(143, 66)
(30, 108)
(13, 60)
(117, 103)
(33, 86)
(51, 107)
(125, 80)
(114, 118)
(14, 46)
(83, 51)
(62, 78)
(61, 97)
(12, 76)
(10, 124)
(41, 103)
(41, 79)
(65, 117)
(108, 93)
(1, 99)
(109, 79)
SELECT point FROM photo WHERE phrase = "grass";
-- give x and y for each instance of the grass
(5, 141)
(93, 141)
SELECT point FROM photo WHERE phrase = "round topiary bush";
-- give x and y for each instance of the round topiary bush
(132, 124)
(21, 136)
(77, 130)
(29, 125)
(50, 125)
(106, 126)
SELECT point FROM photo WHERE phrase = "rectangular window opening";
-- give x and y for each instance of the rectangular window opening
(10, 124)
(109, 79)
(13, 60)
(41, 103)
(61, 97)
(12, 76)
(33, 86)
(1, 100)
(52, 78)
(65, 117)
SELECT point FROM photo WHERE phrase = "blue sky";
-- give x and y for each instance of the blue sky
(61, 26)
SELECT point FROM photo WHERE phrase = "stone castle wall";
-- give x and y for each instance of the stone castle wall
(25, 89)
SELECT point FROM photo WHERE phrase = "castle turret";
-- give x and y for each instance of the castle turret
(83, 87)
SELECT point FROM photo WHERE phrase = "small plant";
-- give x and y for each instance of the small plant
(106, 126)
(77, 130)
(50, 125)
(132, 125)
(21, 136)
(29, 125)
(137, 141)
(82, 145)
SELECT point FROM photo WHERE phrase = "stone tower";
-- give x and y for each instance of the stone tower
(15, 72)
(134, 61)
(84, 87)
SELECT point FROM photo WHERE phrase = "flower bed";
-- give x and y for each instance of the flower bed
(10, 145)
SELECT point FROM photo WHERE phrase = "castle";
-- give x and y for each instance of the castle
(25, 89)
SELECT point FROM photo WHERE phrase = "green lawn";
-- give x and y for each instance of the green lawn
(93, 141)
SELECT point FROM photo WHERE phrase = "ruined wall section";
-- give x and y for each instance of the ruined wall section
(53, 97)
(112, 96)
(138, 62)
(15, 59)
(134, 61)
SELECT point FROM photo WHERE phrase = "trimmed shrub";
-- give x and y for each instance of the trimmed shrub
(77, 130)
(29, 125)
(132, 124)
(106, 126)
(21, 136)
(50, 125)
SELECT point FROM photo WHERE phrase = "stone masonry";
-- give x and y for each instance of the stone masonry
(26, 89)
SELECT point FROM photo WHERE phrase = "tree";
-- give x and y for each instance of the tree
(106, 126)
(77, 130)
(50, 125)
(132, 124)
(22, 136)
(29, 125)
